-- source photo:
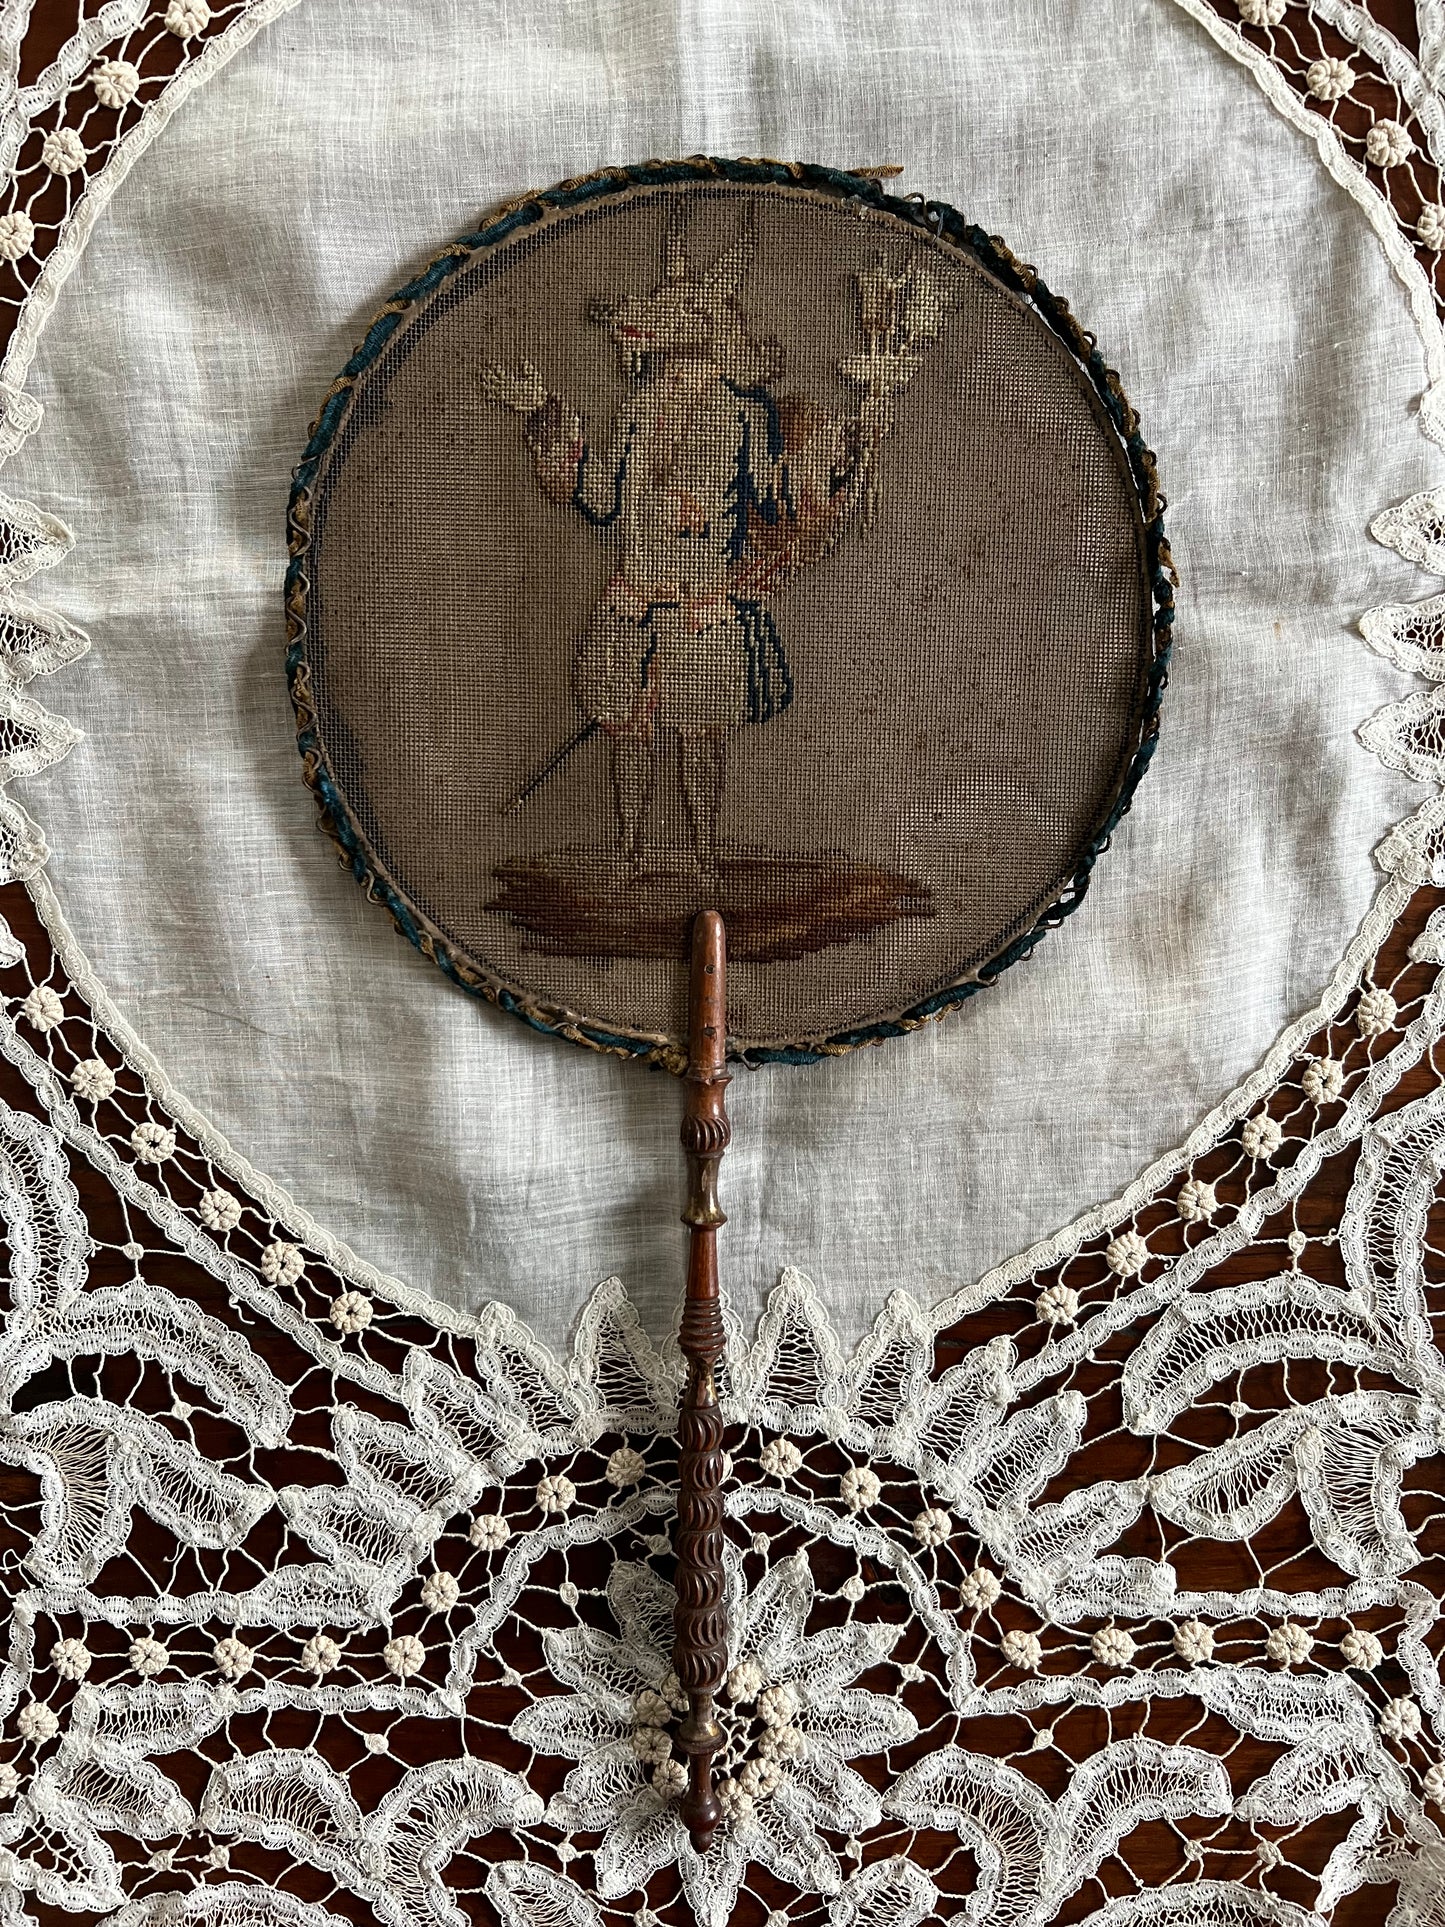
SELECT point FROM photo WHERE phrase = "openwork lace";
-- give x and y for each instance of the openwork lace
(1107, 1591)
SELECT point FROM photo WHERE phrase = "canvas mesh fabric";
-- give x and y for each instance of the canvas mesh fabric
(445, 1140)
(815, 541)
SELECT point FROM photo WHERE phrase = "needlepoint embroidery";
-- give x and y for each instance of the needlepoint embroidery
(726, 535)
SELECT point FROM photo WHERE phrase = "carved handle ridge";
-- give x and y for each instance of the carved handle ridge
(700, 1619)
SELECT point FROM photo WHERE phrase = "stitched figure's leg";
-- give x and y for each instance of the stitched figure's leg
(704, 764)
(632, 773)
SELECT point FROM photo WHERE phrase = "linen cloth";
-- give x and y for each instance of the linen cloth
(1257, 329)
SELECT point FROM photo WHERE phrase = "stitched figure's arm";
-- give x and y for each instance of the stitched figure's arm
(552, 429)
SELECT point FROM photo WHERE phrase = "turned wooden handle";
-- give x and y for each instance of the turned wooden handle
(700, 1622)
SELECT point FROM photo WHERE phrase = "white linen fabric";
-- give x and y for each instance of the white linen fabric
(1258, 330)
(1110, 1585)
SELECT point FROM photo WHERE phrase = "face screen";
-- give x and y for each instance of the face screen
(689, 541)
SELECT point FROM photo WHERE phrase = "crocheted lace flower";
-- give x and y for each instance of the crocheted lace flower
(1058, 1305)
(70, 1658)
(92, 1079)
(1289, 1644)
(62, 151)
(281, 1264)
(1261, 1136)
(745, 1681)
(780, 1458)
(1361, 1649)
(1329, 78)
(17, 237)
(218, 1210)
(1023, 1650)
(1197, 1201)
(187, 17)
(42, 1007)
(931, 1528)
(1262, 13)
(116, 83)
(490, 1531)
(1323, 1080)
(1387, 144)
(1376, 1011)
(404, 1655)
(36, 1722)
(1401, 1720)
(625, 1467)
(153, 1143)
(555, 1492)
(791, 1720)
(351, 1312)
(860, 1487)
(149, 1657)
(320, 1654)
(980, 1589)
(440, 1592)
(1127, 1255)
(233, 1657)
(1112, 1646)
(1194, 1641)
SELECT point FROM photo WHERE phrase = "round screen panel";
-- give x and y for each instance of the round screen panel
(726, 535)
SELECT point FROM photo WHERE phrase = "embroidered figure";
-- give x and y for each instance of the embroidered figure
(733, 536)
(711, 491)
